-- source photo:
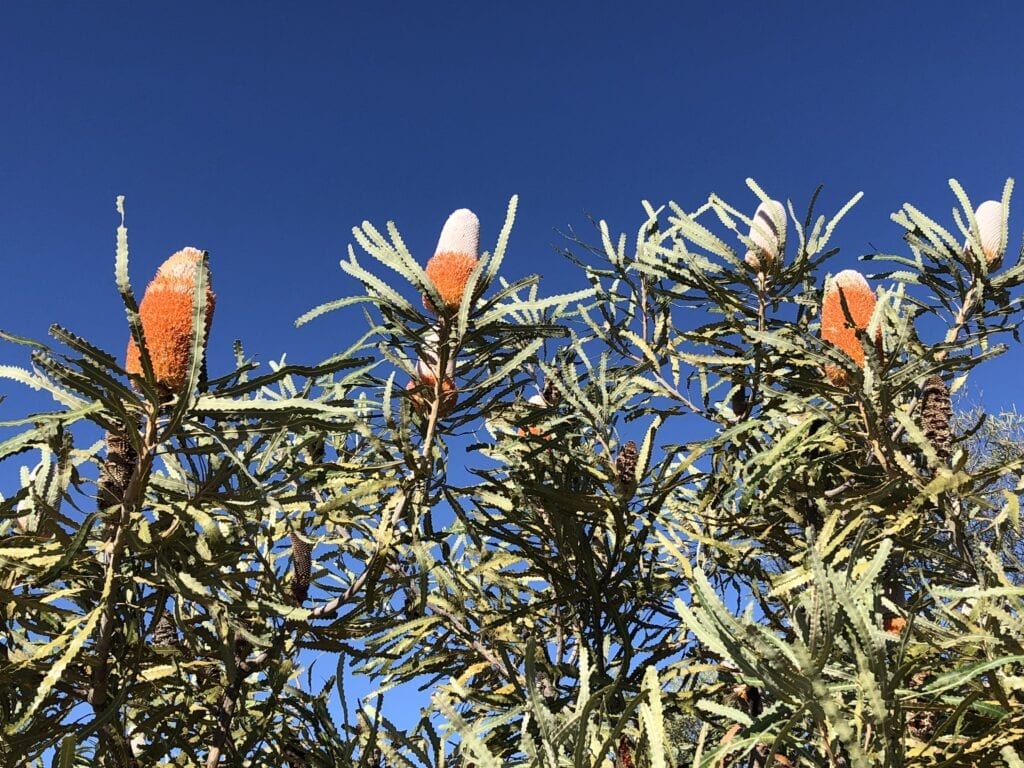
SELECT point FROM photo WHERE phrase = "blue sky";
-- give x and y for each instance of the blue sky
(263, 132)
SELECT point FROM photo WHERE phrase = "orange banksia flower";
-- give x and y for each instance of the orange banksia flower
(166, 314)
(894, 625)
(990, 230)
(768, 231)
(454, 259)
(851, 287)
(422, 396)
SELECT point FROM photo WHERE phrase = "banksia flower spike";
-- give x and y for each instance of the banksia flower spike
(422, 395)
(427, 364)
(768, 232)
(454, 259)
(989, 216)
(848, 286)
(302, 566)
(166, 314)
(936, 412)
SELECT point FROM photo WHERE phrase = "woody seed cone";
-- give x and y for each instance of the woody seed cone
(166, 314)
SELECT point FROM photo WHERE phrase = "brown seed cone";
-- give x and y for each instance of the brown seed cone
(295, 754)
(552, 396)
(625, 754)
(625, 464)
(301, 563)
(936, 412)
(165, 632)
(115, 475)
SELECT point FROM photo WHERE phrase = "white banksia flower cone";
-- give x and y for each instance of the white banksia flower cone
(426, 365)
(989, 216)
(460, 234)
(768, 233)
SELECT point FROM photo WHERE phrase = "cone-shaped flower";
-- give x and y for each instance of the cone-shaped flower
(166, 314)
(422, 395)
(851, 287)
(454, 259)
(426, 365)
(768, 231)
(990, 227)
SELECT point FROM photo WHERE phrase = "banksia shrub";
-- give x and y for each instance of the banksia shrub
(989, 216)
(454, 259)
(768, 232)
(936, 412)
(166, 314)
(848, 287)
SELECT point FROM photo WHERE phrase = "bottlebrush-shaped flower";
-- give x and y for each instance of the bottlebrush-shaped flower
(422, 396)
(851, 287)
(454, 259)
(768, 232)
(990, 229)
(166, 314)
(427, 364)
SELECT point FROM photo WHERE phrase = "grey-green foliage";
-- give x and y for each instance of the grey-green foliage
(781, 569)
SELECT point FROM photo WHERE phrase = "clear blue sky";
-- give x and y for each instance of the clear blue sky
(263, 132)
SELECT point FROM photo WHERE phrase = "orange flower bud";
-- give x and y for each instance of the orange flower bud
(848, 285)
(768, 232)
(990, 230)
(422, 396)
(895, 625)
(166, 314)
(454, 259)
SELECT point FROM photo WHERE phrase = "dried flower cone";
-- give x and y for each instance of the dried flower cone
(422, 396)
(848, 285)
(454, 259)
(768, 231)
(989, 217)
(302, 567)
(936, 412)
(115, 475)
(165, 632)
(166, 314)
(552, 395)
(625, 464)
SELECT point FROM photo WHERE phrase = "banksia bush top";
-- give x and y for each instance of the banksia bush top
(166, 314)
(768, 231)
(454, 259)
(989, 216)
(851, 287)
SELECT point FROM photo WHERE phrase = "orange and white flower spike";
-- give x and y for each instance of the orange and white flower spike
(454, 259)
(848, 285)
(990, 228)
(166, 314)
(768, 231)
